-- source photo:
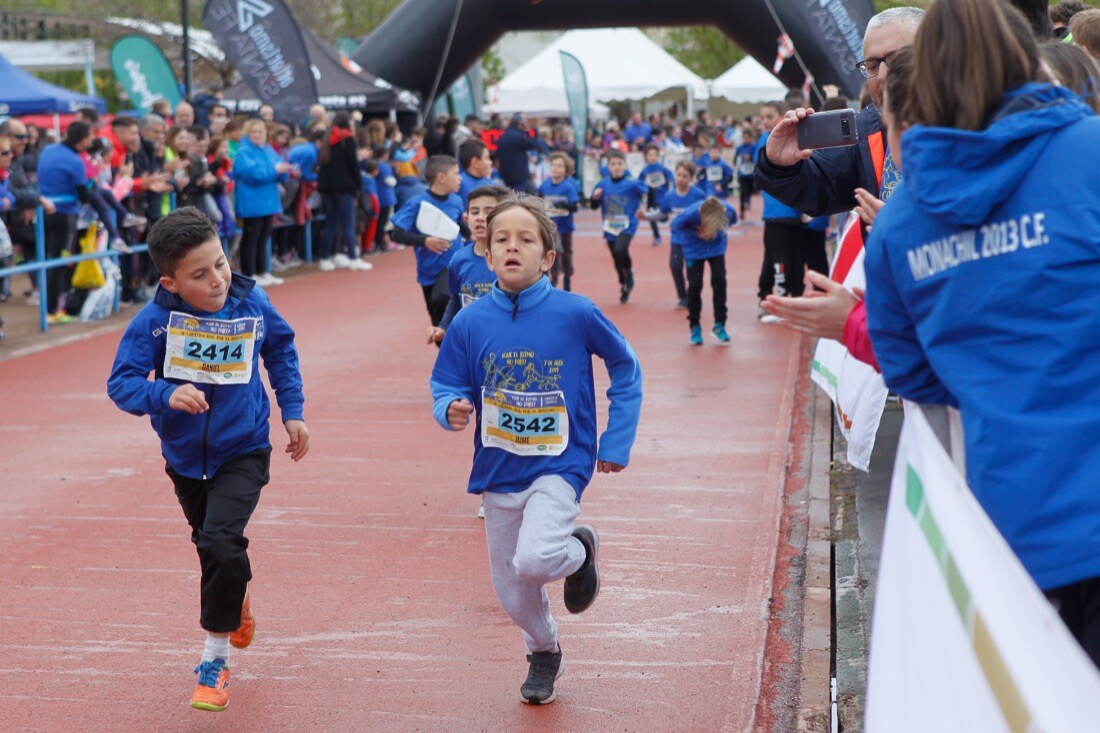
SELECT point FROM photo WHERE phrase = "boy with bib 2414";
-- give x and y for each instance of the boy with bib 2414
(201, 338)
(521, 358)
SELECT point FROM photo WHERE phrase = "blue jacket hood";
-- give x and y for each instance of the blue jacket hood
(963, 175)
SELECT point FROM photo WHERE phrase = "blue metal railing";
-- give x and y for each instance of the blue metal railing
(41, 264)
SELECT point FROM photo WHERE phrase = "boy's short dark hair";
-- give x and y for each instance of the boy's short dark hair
(615, 154)
(200, 132)
(436, 166)
(688, 165)
(649, 147)
(380, 151)
(171, 238)
(370, 166)
(470, 151)
(548, 231)
(497, 193)
(78, 130)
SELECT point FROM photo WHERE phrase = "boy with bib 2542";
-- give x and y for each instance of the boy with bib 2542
(201, 339)
(521, 358)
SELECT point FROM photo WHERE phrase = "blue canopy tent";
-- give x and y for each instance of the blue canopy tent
(23, 93)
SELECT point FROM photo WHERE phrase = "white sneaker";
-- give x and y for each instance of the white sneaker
(358, 264)
(481, 512)
(261, 279)
(342, 261)
(278, 265)
(272, 280)
(326, 265)
(293, 262)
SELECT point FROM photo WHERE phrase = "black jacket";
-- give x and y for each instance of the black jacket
(341, 173)
(512, 155)
(826, 182)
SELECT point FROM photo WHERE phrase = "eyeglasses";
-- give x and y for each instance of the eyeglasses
(20, 137)
(6, 152)
(869, 67)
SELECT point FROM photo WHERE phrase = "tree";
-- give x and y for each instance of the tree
(704, 49)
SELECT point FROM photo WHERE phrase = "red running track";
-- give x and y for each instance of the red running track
(371, 590)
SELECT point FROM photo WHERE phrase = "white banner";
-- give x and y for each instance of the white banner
(49, 54)
(856, 389)
(962, 639)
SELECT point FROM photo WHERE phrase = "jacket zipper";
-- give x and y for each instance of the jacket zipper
(206, 428)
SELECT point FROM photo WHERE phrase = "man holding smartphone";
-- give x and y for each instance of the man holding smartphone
(823, 182)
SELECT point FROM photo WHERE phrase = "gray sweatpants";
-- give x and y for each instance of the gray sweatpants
(531, 543)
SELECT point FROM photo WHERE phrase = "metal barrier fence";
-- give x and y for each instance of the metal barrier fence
(40, 265)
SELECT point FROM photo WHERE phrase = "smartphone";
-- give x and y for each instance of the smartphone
(827, 130)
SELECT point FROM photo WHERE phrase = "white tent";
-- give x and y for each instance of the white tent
(748, 81)
(620, 64)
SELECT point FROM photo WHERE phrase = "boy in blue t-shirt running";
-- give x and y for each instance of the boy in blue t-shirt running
(702, 229)
(619, 197)
(716, 174)
(433, 253)
(562, 195)
(521, 359)
(672, 204)
(659, 180)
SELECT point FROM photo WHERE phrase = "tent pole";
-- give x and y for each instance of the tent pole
(57, 125)
(89, 78)
(186, 18)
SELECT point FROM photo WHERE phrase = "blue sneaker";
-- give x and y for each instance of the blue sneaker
(696, 336)
(719, 332)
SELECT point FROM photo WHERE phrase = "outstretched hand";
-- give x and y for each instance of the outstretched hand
(823, 314)
(608, 467)
(782, 146)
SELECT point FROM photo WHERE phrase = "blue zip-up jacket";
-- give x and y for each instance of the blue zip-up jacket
(429, 264)
(61, 173)
(386, 182)
(408, 188)
(657, 177)
(981, 271)
(774, 209)
(746, 160)
(237, 421)
(370, 185)
(568, 192)
(686, 226)
(619, 204)
(304, 155)
(715, 177)
(673, 204)
(257, 183)
(469, 183)
(470, 280)
(537, 342)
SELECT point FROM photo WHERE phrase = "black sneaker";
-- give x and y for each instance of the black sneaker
(624, 295)
(629, 285)
(582, 587)
(538, 688)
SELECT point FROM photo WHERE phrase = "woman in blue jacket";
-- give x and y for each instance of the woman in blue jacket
(257, 170)
(982, 271)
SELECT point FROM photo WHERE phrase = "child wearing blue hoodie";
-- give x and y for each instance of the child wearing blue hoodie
(433, 254)
(562, 194)
(702, 232)
(521, 358)
(659, 180)
(201, 338)
(619, 196)
(673, 203)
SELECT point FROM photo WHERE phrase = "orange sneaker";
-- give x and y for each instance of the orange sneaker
(242, 637)
(212, 691)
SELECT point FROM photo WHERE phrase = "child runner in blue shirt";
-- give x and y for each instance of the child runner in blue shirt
(476, 165)
(717, 174)
(387, 199)
(201, 339)
(521, 357)
(433, 254)
(702, 228)
(659, 180)
(619, 196)
(745, 158)
(562, 195)
(672, 204)
(470, 277)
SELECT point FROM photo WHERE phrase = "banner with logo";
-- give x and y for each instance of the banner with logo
(962, 639)
(144, 72)
(262, 40)
(576, 92)
(858, 392)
